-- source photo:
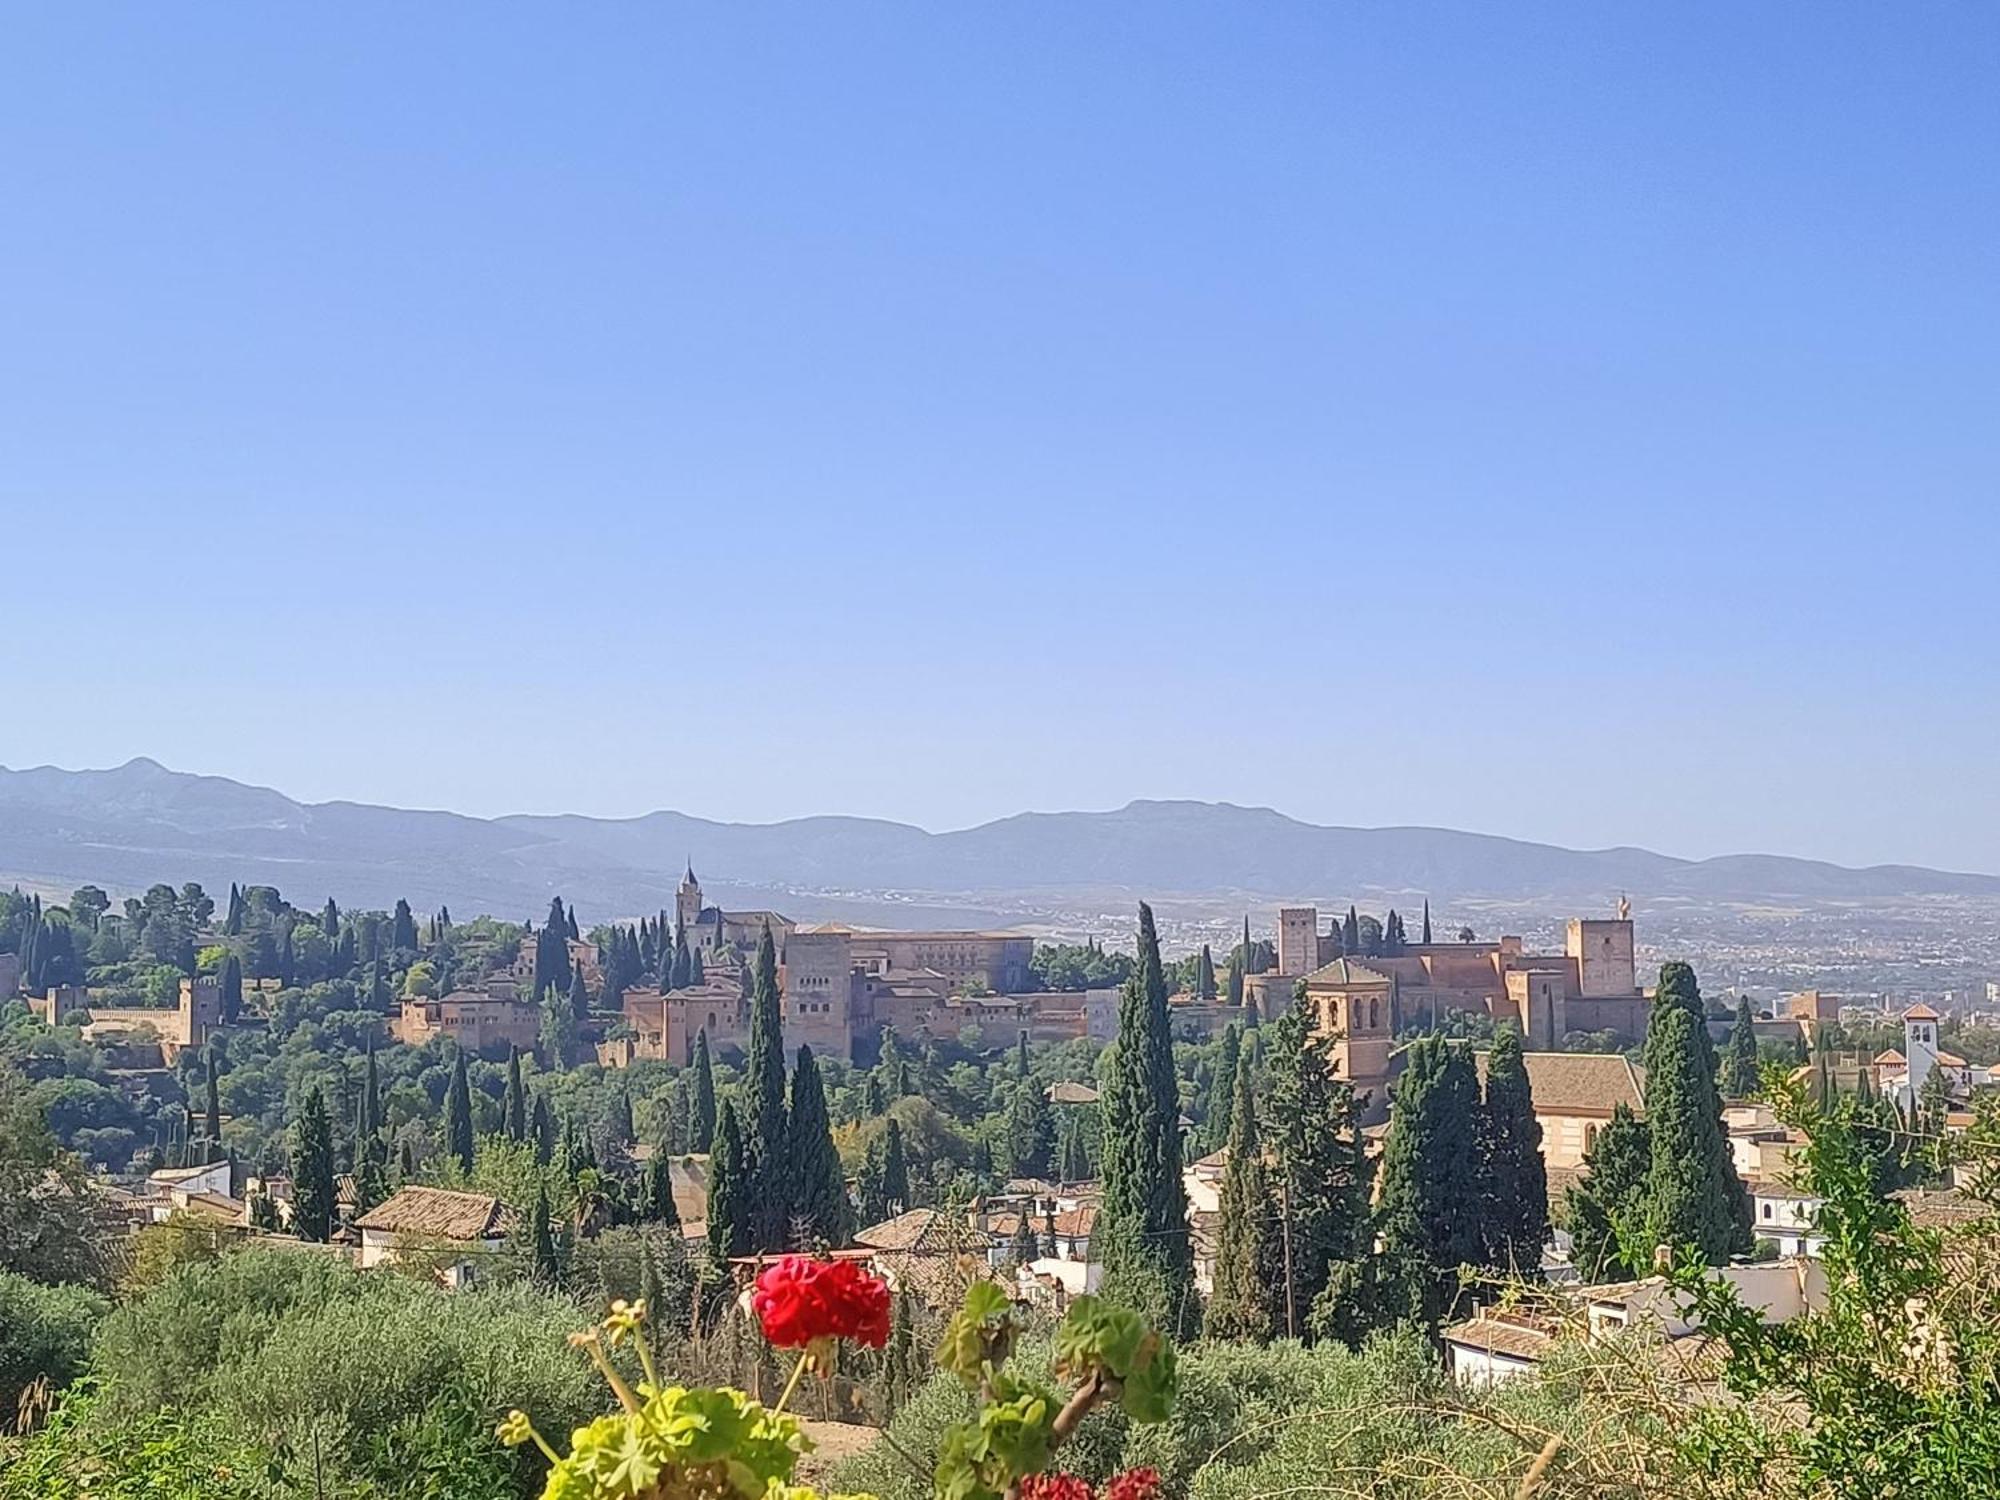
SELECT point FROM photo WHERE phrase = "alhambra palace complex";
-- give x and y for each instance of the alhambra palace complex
(842, 985)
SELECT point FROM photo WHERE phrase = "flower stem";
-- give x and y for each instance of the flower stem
(792, 1384)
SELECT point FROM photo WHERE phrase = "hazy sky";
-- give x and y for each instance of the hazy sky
(1570, 421)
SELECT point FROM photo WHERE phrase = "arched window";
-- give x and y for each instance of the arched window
(1374, 1013)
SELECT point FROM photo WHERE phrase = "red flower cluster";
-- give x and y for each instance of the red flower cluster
(1133, 1484)
(1054, 1487)
(799, 1299)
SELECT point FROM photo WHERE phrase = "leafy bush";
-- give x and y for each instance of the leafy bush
(45, 1334)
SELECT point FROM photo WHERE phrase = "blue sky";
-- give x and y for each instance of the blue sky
(1569, 421)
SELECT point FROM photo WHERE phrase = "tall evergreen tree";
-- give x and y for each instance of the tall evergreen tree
(1427, 921)
(1222, 1088)
(403, 927)
(369, 1110)
(1607, 1206)
(543, 1241)
(312, 1170)
(1739, 1063)
(1148, 1258)
(231, 997)
(1204, 976)
(895, 1169)
(1248, 1256)
(1429, 1212)
(764, 1135)
(1515, 1206)
(1692, 1192)
(232, 924)
(1234, 981)
(704, 1093)
(212, 1117)
(728, 1182)
(1021, 1055)
(1023, 1248)
(1072, 1152)
(543, 1128)
(514, 1105)
(697, 974)
(1323, 1178)
(458, 1115)
(1350, 932)
(579, 996)
(820, 1217)
(1031, 1132)
(656, 1195)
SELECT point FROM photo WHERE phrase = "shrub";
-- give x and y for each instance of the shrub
(45, 1334)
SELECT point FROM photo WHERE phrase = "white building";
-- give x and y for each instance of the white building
(459, 1231)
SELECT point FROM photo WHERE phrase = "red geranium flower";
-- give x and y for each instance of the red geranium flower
(799, 1299)
(1054, 1487)
(1133, 1484)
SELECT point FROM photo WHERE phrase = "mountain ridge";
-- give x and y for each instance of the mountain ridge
(133, 824)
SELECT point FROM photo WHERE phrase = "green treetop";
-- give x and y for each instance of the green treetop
(1429, 1211)
(1515, 1206)
(764, 1134)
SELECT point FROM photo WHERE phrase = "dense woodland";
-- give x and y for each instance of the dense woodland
(1335, 1269)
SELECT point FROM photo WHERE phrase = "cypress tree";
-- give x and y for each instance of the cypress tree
(895, 1169)
(764, 1108)
(1248, 1265)
(1021, 1055)
(1222, 1088)
(579, 996)
(1148, 1257)
(1235, 978)
(312, 1171)
(212, 1122)
(232, 988)
(1023, 1248)
(1429, 1217)
(514, 1106)
(371, 1090)
(1350, 932)
(1031, 1132)
(1427, 921)
(1516, 1197)
(544, 1130)
(546, 1272)
(1692, 1194)
(1313, 1128)
(1204, 975)
(1607, 1207)
(697, 974)
(818, 1188)
(403, 927)
(458, 1115)
(1739, 1063)
(728, 1216)
(1073, 1152)
(656, 1196)
(704, 1093)
(232, 924)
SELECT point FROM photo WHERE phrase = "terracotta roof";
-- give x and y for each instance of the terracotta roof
(1503, 1336)
(1344, 970)
(1952, 1060)
(922, 1230)
(1943, 1209)
(1580, 1083)
(1921, 1012)
(1889, 1057)
(1072, 1093)
(439, 1214)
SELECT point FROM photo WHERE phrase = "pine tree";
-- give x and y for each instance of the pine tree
(728, 1210)
(704, 1093)
(458, 1116)
(1031, 1132)
(1515, 1207)
(1148, 1258)
(817, 1191)
(1739, 1063)
(764, 1133)
(312, 1171)
(1607, 1206)
(1694, 1194)
(1428, 1216)
(212, 1119)
(542, 1238)
(514, 1105)
(895, 1170)
(1248, 1267)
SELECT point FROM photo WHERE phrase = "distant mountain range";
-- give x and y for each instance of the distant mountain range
(141, 823)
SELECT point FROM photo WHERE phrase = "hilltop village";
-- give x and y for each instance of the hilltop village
(1322, 1131)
